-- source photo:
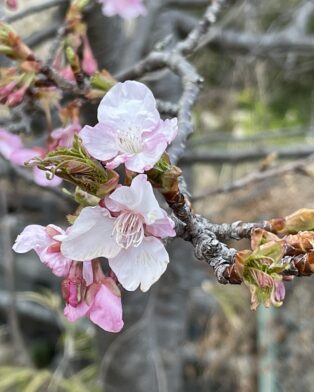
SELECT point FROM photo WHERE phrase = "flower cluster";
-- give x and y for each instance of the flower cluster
(14, 83)
(122, 223)
(67, 61)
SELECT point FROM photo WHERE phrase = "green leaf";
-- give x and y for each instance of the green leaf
(75, 165)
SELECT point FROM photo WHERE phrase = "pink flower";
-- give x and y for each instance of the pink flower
(12, 4)
(63, 137)
(45, 241)
(101, 301)
(125, 8)
(130, 129)
(129, 236)
(9, 143)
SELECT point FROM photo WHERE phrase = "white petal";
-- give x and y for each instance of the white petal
(91, 236)
(32, 237)
(141, 266)
(139, 198)
(99, 141)
(129, 105)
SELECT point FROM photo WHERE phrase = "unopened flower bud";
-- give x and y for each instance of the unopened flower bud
(73, 288)
(12, 4)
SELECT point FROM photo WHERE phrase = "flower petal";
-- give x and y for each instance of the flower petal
(129, 105)
(9, 143)
(106, 310)
(169, 128)
(74, 313)
(32, 237)
(139, 198)
(99, 141)
(125, 8)
(21, 156)
(41, 179)
(58, 264)
(90, 236)
(141, 266)
(162, 228)
(88, 272)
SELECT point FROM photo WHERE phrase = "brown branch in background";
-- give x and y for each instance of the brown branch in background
(187, 3)
(272, 134)
(257, 176)
(229, 156)
(189, 45)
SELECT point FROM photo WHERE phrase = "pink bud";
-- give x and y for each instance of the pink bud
(16, 97)
(73, 291)
(279, 291)
(12, 4)
(89, 63)
(6, 90)
(73, 287)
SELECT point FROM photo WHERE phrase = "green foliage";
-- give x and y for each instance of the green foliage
(75, 165)
(255, 115)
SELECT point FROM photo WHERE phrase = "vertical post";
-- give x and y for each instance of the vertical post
(266, 350)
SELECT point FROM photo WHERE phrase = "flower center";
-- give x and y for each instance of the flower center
(130, 141)
(129, 229)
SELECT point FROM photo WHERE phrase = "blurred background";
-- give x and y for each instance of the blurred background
(188, 334)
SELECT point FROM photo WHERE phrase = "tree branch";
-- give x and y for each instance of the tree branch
(298, 166)
(247, 155)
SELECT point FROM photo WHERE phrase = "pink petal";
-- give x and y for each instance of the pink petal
(99, 141)
(21, 156)
(168, 128)
(125, 8)
(88, 272)
(117, 161)
(41, 179)
(162, 228)
(129, 105)
(106, 310)
(141, 266)
(9, 143)
(139, 198)
(154, 145)
(74, 313)
(58, 264)
(32, 237)
(90, 236)
(63, 137)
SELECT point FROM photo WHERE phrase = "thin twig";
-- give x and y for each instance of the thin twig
(257, 176)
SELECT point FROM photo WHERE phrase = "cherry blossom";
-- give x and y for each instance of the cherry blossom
(46, 242)
(126, 229)
(125, 8)
(89, 293)
(130, 129)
